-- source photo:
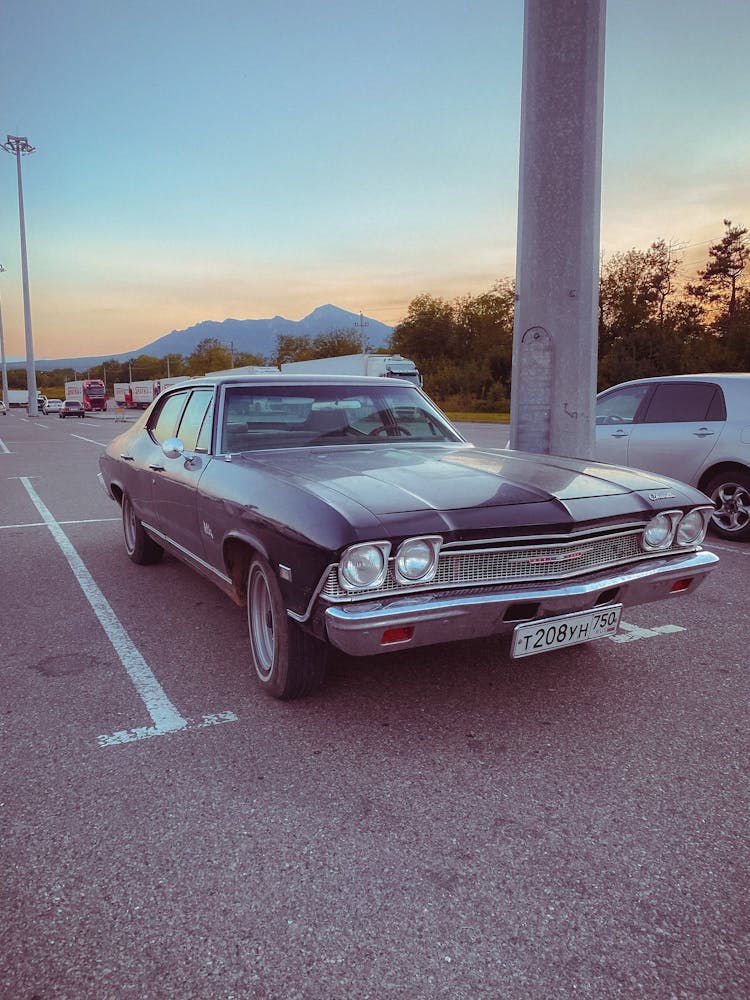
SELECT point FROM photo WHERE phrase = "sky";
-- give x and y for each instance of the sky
(252, 158)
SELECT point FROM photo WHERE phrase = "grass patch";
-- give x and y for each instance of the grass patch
(479, 418)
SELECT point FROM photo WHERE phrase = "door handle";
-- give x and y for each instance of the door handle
(620, 434)
(156, 468)
(128, 458)
(703, 432)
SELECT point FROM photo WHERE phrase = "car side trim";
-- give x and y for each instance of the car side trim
(187, 555)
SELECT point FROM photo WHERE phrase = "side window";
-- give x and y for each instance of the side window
(193, 417)
(164, 421)
(621, 405)
(203, 443)
(681, 402)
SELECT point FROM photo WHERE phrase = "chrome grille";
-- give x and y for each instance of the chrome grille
(510, 564)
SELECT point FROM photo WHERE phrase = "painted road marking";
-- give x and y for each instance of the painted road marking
(90, 441)
(629, 633)
(43, 524)
(3, 448)
(165, 717)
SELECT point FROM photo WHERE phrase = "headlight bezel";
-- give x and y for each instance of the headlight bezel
(432, 545)
(704, 514)
(669, 519)
(672, 520)
(347, 574)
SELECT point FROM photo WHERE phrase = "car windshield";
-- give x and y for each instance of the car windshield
(258, 417)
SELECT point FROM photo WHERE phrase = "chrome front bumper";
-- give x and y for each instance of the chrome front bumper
(446, 615)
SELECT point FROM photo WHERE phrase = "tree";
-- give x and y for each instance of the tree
(336, 343)
(636, 321)
(292, 348)
(174, 365)
(242, 358)
(210, 355)
(719, 280)
(145, 367)
(463, 348)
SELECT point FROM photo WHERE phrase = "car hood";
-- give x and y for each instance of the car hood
(401, 479)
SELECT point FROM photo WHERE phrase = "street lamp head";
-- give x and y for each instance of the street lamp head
(18, 144)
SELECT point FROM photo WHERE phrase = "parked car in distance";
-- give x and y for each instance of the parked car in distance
(52, 406)
(3, 408)
(72, 408)
(695, 428)
(348, 511)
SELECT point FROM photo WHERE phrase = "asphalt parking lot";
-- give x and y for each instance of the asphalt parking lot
(443, 823)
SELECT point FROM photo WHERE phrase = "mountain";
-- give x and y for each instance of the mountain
(250, 336)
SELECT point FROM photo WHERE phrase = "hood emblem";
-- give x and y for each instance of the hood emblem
(662, 495)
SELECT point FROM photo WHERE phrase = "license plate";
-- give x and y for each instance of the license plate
(565, 630)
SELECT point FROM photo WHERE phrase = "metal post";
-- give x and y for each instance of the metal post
(361, 325)
(557, 261)
(2, 354)
(17, 145)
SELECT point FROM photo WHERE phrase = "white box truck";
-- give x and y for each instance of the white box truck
(382, 365)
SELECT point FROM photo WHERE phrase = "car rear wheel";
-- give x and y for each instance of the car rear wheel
(731, 496)
(288, 662)
(141, 548)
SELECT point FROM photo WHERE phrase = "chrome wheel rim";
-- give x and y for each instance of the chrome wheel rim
(732, 507)
(128, 523)
(260, 621)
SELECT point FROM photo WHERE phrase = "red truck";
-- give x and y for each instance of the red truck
(91, 392)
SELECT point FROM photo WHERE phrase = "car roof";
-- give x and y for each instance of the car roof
(281, 378)
(697, 377)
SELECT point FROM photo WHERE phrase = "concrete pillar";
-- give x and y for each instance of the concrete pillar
(559, 206)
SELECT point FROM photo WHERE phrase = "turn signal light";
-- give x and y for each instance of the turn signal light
(402, 634)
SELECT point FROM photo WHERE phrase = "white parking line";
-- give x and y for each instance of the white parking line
(41, 524)
(629, 633)
(164, 715)
(3, 448)
(90, 441)
(728, 548)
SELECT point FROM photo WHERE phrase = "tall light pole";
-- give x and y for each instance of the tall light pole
(361, 324)
(19, 145)
(2, 353)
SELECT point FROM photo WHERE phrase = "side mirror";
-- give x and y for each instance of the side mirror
(173, 448)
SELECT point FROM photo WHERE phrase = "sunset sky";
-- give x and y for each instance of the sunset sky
(245, 159)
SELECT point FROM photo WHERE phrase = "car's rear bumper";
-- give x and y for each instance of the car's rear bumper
(364, 628)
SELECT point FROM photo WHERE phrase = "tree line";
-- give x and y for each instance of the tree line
(649, 324)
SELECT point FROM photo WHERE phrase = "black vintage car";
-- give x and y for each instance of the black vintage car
(348, 511)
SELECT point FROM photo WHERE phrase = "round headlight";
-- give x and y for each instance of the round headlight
(364, 566)
(692, 528)
(658, 532)
(416, 559)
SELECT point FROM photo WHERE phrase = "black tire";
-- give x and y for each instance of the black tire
(288, 662)
(730, 493)
(141, 548)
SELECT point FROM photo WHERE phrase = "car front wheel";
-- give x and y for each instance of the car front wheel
(731, 496)
(288, 662)
(141, 548)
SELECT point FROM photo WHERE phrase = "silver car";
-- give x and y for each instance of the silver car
(695, 428)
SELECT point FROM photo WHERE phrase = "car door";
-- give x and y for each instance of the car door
(616, 414)
(678, 429)
(186, 415)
